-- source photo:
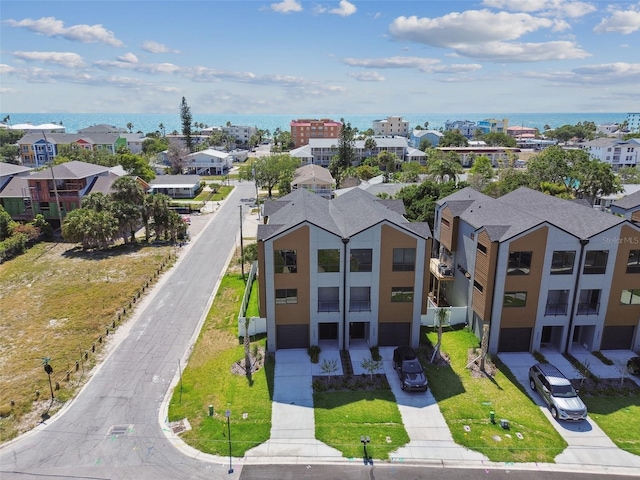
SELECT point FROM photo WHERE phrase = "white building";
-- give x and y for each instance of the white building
(633, 122)
(614, 151)
(241, 133)
(208, 162)
(391, 126)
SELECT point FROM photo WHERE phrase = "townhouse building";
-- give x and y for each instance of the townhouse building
(305, 129)
(341, 272)
(321, 151)
(497, 155)
(614, 151)
(37, 149)
(539, 271)
(466, 127)
(433, 136)
(493, 125)
(391, 126)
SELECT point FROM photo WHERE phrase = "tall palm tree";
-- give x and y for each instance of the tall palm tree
(445, 168)
(370, 145)
(161, 128)
(130, 126)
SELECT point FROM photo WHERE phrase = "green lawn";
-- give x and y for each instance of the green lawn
(465, 401)
(342, 417)
(619, 418)
(252, 308)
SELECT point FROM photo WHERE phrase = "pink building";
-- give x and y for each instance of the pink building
(304, 129)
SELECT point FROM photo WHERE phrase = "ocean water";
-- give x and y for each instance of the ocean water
(149, 122)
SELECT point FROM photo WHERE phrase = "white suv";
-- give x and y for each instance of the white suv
(554, 388)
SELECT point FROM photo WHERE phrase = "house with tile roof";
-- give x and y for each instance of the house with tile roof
(540, 271)
(341, 272)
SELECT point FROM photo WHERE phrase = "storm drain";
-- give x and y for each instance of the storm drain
(119, 430)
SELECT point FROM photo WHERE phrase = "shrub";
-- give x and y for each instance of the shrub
(602, 358)
(540, 358)
(314, 353)
(375, 353)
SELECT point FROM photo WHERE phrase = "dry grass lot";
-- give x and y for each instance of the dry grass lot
(61, 303)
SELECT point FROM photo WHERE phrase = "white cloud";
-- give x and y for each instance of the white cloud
(286, 6)
(6, 69)
(155, 47)
(65, 59)
(468, 34)
(344, 9)
(368, 77)
(128, 58)
(562, 8)
(51, 27)
(426, 65)
(620, 21)
(606, 74)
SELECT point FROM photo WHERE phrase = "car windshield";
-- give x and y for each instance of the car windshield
(412, 367)
(565, 391)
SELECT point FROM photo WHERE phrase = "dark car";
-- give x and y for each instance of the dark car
(406, 363)
(633, 365)
(557, 392)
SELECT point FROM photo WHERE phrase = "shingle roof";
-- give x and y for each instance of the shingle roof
(174, 180)
(630, 201)
(71, 170)
(310, 172)
(11, 169)
(17, 187)
(344, 216)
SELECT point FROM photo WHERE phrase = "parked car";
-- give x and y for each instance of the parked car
(557, 392)
(633, 365)
(410, 371)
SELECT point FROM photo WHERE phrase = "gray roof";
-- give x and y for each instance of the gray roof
(67, 138)
(344, 216)
(102, 128)
(628, 202)
(175, 180)
(16, 187)
(307, 173)
(71, 170)
(104, 184)
(11, 169)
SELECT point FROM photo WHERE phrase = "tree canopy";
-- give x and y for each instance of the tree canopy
(269, 171)
(186, 118)
(453, 138)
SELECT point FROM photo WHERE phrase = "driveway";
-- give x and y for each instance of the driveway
(587, 443)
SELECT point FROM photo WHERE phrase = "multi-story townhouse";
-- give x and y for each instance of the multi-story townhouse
(340, 272)
(303, 130)
(321, 151)
(13, 188)
(616, 152)
(37, 149)
(627, 207)
(540, 271)
(466, 127)
(417, 136)
(391, 126)
(208, 162)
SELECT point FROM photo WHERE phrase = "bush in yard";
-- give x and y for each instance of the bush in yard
(314, 353)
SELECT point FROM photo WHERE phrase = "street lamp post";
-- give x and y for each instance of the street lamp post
(364, 440)
(228, 415)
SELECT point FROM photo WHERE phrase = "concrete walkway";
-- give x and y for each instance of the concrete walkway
(587, 443)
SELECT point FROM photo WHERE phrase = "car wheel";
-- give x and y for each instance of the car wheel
(632, 371)
(532, 384)
(554, 412)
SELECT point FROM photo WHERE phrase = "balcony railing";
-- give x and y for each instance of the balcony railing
(556, 309)
(360, 306)
(590, 308)
(329, 306)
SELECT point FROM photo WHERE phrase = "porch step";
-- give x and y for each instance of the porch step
(345, 358)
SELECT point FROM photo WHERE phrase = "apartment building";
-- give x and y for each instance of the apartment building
(466, 127)
(391, 126)
(37, 150)
(616, 152)
(540, 270)
(633, 122)
(492, 125)
(241, 133)
(341, 272)
(302, 130)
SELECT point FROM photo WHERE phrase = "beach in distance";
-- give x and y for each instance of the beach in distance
(149, 122)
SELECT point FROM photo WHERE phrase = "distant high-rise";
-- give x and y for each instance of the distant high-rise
(304, 129)
(633, 122)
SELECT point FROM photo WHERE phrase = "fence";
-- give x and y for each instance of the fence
(455, 316)
(256, 324)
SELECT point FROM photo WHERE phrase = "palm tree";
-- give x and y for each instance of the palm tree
(426, 125)
(129, 195)
(161, 128)
(447, 167)
(370, 145)
(130, 126)
(7, 120)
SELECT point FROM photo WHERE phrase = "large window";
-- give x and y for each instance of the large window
(402, 294)
(328, 260)
(360, 299)
(589, 302)
(595, 261)
(630, 297)
(562, 262)
(633, 264)
(360, 260)
(328, 299)
(286, 295)
(515, 299)
(557, 302)
(285, 261)
(519, 263)
(404, 259)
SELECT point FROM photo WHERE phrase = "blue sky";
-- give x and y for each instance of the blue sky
(308, 57)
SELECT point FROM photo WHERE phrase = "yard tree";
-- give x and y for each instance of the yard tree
(481, 173)
(97, 201)
(152, 146)
(445, 167)
(160, 213)
(420, 200)
(91, 228)
(128, 195)
(366, 172)
(387, 162)
(453, 138)
(186, 119)
(177, 158)
(136, 165)
(498, 139)
(425, 143)
(591, 178)
(411, 171)
(550, 165)
(268, 171)
(370, 145)
(345, 154)
(629, 175)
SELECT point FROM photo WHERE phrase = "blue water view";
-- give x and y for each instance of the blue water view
(149, 122)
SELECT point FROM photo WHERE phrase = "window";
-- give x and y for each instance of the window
(515, 299)
(595, 261)
(557, 302)
(402, 294)
(328, 299)
(589, 302)
(446, 223)
(286, 295)
(633, 264)
(477, 286)
(519, 263)
(482, 248)
(360, 260)
(630, 297)
(404, 259)
(360, 299)
(562, 263)
(285, 261)
(328, 260)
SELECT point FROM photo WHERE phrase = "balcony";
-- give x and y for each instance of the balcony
(590, 308)
(442, 273)
(553, 309)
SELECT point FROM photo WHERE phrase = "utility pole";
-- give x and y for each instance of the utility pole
(53, 179)
(241, 247)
